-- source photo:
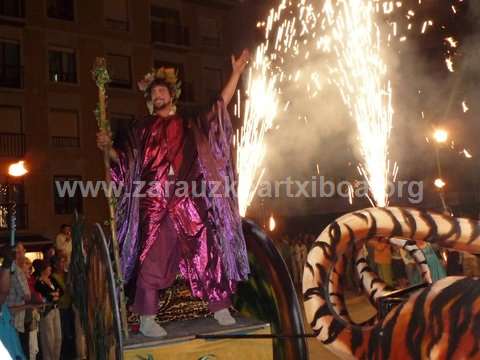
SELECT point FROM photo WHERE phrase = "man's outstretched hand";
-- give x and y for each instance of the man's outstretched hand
(239, 64)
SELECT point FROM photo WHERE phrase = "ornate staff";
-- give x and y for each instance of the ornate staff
(101, 77)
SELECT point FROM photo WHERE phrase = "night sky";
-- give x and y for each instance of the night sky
(421, 83)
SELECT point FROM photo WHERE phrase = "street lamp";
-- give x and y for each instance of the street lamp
(16, 170)
(440, 135)
(439, 183)
(271, 223)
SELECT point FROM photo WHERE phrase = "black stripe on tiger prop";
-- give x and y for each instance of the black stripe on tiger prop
(421, 327)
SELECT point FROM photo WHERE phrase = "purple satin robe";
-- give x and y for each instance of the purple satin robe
(213, 255)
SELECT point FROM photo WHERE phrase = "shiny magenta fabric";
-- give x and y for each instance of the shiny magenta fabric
(154, 158)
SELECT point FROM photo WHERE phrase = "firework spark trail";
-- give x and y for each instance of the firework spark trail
(360, 76)
(262, 92)
(260, 110)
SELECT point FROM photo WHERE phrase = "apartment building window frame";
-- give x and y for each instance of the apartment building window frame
(17, 81)
(20, 11)
(51, 14)
(63, 142)
(66, 77)
(117, 24)
(119, 83)
(12, 144)
(66, 205)
(168, 30)
(206, 41)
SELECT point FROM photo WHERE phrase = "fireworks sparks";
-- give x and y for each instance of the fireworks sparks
(449, 63)
(466, 153)
(451, 42)
(360, 77)
(260, 111)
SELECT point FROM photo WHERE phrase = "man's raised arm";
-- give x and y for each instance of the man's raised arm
(238, 66)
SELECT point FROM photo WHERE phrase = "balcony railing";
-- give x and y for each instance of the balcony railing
(21, 216)
(170, 34)
(117, 25)
(12, 8)
(12, 145)
(11, 76)
(65, 141)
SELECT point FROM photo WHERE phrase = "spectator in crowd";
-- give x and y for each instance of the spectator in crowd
(8, 334)
(19, 295)
(32, 315)
(48, 253)
(63, 242)
(383, 259)
(411, 269)
(50, 326)
(398, 267)
(436, 268)
(36, 264)
(65, 306)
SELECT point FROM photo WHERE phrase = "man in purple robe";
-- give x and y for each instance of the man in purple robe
(177, 213)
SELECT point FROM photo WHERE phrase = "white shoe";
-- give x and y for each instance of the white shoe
(150, 328)
(224, 317)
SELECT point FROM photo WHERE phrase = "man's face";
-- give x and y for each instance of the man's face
(161, 97)
(20, 252)
(67, 230)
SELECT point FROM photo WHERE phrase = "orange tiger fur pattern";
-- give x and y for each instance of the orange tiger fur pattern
(439, 322)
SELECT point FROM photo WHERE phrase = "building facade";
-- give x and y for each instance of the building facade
(48, 97)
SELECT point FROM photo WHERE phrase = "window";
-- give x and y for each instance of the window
(116, 14)
(167, 28)
(12, 8)
(63, 125)
(10, 191)
(120, 71)
(60, 9)
(10, 64)
(213, 82)
(67, 195)
(12, 139)
(209, 32)
(62, 65)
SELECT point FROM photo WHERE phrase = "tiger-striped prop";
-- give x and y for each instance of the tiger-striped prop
(440, 322)
(373, 285)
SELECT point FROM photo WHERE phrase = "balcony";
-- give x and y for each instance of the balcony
(21, 213)
(11, 76)
(170, 34)
(12, 145)
(65, 141)
(12, 8)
